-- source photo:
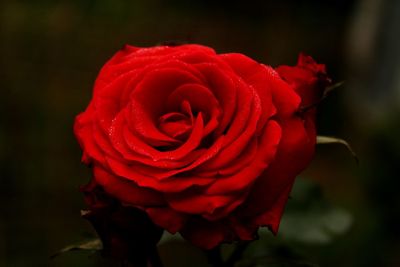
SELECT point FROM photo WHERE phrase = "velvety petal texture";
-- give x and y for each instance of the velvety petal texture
(205, 144)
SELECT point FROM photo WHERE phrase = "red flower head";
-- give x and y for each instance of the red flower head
(205, 144)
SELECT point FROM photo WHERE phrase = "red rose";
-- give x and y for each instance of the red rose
(206, 144)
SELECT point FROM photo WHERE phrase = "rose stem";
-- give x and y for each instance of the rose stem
(214, 257)
(154, 258)
(134, 262)
(127, 263)
(236, 254)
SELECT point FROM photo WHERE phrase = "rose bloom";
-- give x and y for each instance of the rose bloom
(206, 144)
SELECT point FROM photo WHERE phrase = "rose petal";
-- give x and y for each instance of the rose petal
(244, 178)
(294, 153)
(240, 132)
(272, 217)
(224, 211)
(256, 75)
(224, 89)
(240, 162)
(193, 202)
(207, 154)
(148, 101)
(103, 141)
(127, 191)
(171, 185)
(242, 228)
(307, 78)
(133, 149)
(205, 234)
(200, 99)
(83, 131)
(167, 218)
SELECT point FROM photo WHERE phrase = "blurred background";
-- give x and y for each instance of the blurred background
(51, 51)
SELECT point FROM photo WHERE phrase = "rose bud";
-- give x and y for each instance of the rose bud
(204, 144)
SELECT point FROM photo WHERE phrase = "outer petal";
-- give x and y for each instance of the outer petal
(294, 153)
(83, 130)
(126, 191)
(171, 185)
(194, 203)
(258, 76)
(272, 217)
(205, 234)
(167, 218)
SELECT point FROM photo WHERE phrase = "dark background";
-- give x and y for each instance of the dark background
(51, 51)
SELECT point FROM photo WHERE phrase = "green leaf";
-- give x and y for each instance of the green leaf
(168, 237)
(309, 221)
(322, 140)
(331, 88)
(309, 218)
(317, 226)
(92, 245)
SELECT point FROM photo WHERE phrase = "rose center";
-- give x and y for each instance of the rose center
(179, 124)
